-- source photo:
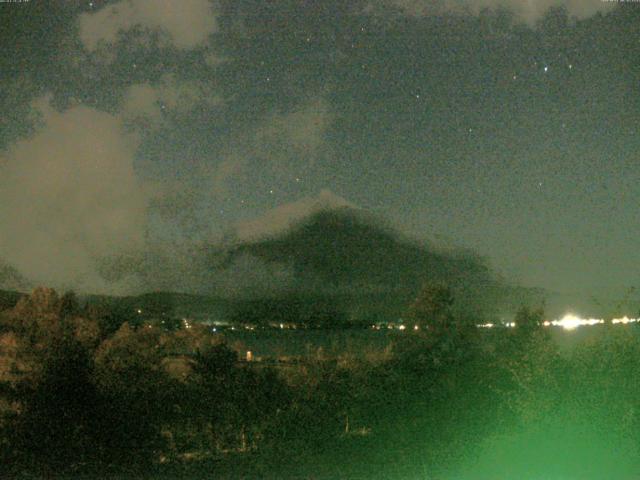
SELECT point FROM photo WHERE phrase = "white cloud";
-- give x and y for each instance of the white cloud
(528, 11)
(69, 198)
(188, 23)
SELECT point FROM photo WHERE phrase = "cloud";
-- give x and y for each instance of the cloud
(302, 129)
(529, 11)
(278, 143)
(188, 23)
(148, 101)
(223, 173)
(69, 198)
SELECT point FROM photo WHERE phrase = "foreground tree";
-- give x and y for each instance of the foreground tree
(136, 392)
(528, 320)
(432, 307)
(47, 380)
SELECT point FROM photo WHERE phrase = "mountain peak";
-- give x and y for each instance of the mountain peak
(282, 217)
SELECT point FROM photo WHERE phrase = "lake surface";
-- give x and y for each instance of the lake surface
(295, 342)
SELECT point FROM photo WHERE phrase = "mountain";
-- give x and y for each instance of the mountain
(334, 250)
(319, 260)
(340, 248)
(283, 217)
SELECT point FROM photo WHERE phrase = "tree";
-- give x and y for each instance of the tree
(69, 305)
(529, 364)
(432, 307)
(136, 394)
(528, 319)
(47, 376)
(447, 340)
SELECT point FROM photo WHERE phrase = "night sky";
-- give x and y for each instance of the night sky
(133, 131)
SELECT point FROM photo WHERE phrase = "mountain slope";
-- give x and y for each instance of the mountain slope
(346, 252)
(283, 217)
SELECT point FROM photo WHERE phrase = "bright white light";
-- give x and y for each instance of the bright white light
(571, 322)
(401, 327)
(624, 320)
(568, 322)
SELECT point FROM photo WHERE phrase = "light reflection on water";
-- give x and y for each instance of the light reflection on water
(568, 331)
